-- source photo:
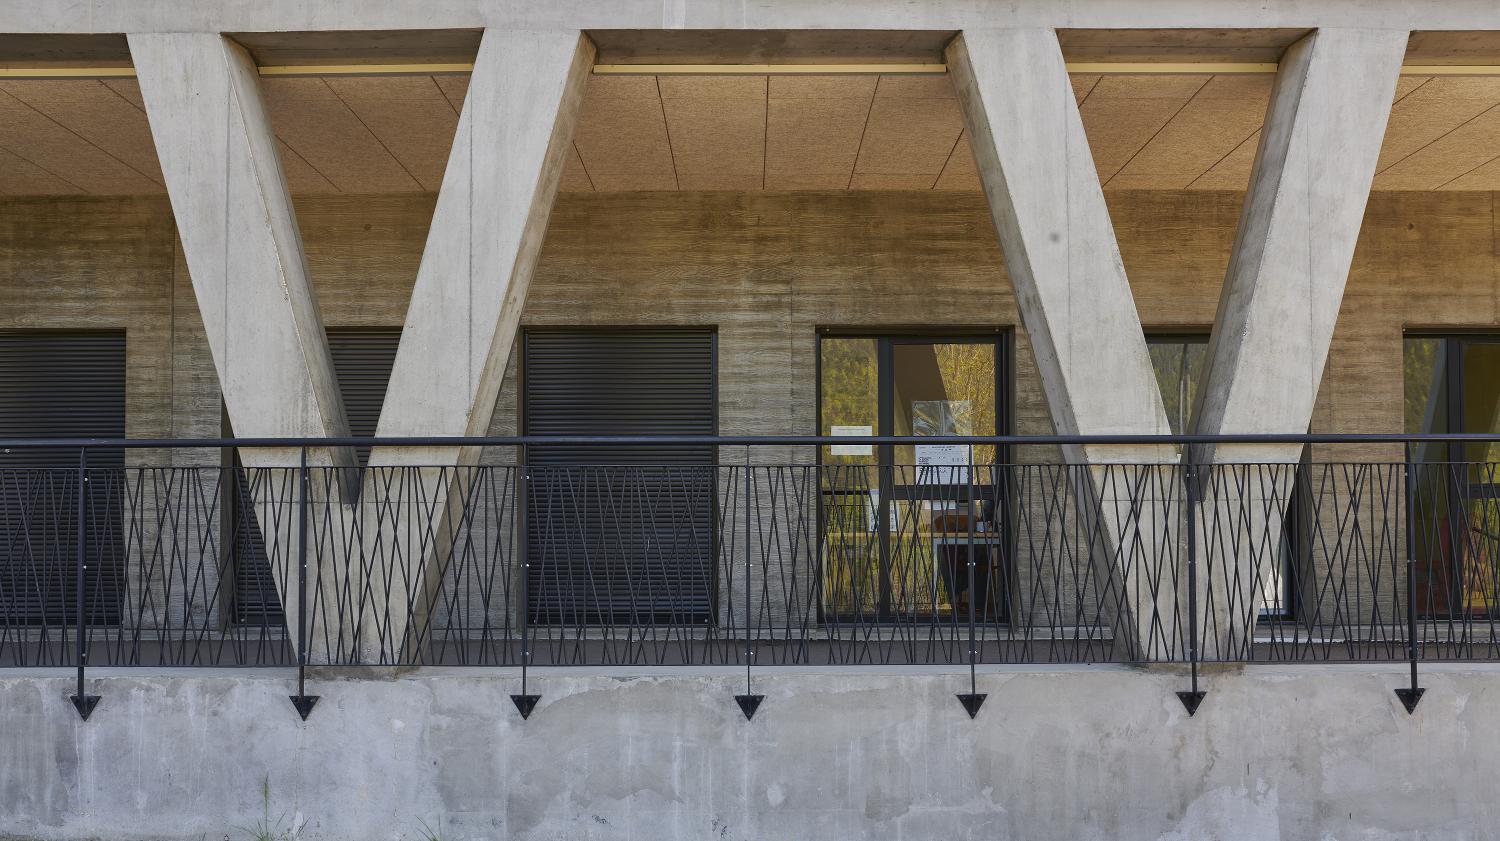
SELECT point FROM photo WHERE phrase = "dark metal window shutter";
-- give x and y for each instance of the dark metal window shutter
(620, 535)
(362, 359)
(61, 384)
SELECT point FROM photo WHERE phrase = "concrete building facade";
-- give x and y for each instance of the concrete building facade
(421, 261)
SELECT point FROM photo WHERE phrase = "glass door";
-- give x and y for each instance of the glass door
(1453, 385)
(902, 523)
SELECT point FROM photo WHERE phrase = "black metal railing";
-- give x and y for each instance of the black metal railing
(774, 552)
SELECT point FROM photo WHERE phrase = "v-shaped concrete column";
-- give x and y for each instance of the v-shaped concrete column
(1276, 315)
(239, 236)
(1044, 193)
(497, 193)
(244, 254)
(1280, 300)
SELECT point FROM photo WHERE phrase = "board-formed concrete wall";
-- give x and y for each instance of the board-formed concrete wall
(767, 269)
(1073, 754)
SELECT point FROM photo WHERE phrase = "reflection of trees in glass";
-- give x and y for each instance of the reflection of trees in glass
(1420, 370)
(1481, 394)
(850, 389)
(969, 375)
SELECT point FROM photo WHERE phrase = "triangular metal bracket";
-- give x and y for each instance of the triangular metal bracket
(304, 704)
(525, 704)
(749, 704)
(972, 701)
(1191, 700)
(84, 704)
(1410, 698)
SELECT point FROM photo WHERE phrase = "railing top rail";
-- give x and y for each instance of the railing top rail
(738, 440)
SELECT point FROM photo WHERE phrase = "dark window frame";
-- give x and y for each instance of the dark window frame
(886, 339)
(1453, 341)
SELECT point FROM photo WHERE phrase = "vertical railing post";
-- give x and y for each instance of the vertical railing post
(1410, 695)
(748, 702)
(1192, 698)
(302, 701)
(972, 699)
(82, 701)
(525, 702)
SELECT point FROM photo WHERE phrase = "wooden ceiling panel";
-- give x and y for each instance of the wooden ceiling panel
(913, 126)
(130, 89)
(1485, 177)
(1083, 85)
(300, 175)
(419, 134)
(331, 138)
(288, 89)
(410, 117)
(417, 88)
(622, 135)
(455, 88)
(961, 172)
(784, 132)
(717, 126)
(20, 177)
(1212, 124)
(1432, 110)
(732, 181)
(1123, 113)
(1447, 158)
(893, 181)
(97, 114)
(575, 179)
(813, 128)
(1233, 171)
(62, 152)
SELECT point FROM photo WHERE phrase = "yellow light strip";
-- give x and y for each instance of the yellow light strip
(763, 69)
(364, 69)
(1101, 68)
(1167, 68)
(67, 72)
(1450, 70)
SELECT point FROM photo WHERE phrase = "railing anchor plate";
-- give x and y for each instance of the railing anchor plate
(1191, 700)
(84, 704)
(1411, 697)
(749, 704)
(972, 701)
(525, 704)
(304, 704)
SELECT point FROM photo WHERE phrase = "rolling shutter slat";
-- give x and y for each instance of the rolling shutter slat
(620, 535)
(60, 384)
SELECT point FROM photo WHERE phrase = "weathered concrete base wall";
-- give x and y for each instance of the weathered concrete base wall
(1310, 752)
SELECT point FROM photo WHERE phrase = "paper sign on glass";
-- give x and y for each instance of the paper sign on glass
(942, 464)
(851, 449)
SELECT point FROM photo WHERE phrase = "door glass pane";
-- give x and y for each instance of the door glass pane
(899, 521)
(943, 389)
(850, 396)
(941, 492)
(1481, 397)
(1479, 530)
(1426, 411)
(1452, 384)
